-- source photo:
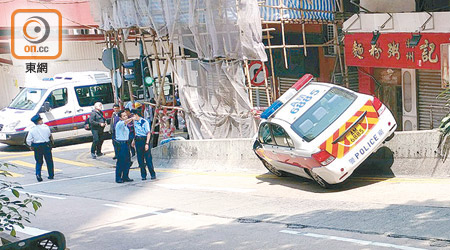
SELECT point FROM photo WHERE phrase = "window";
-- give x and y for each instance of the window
(265, 136)
(331, 49)
(57, 98)
(281, 137)
(88, 95)
(27, 99)
(323, 113)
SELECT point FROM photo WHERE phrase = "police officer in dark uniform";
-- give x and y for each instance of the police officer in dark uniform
(123, 158)
(141, 141)
(40, 139)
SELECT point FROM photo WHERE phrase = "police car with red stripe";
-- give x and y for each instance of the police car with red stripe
(321, 131)
(64, 102)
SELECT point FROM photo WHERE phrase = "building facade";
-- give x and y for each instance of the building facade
(402, 58)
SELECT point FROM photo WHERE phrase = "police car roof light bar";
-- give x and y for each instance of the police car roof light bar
(304, 80)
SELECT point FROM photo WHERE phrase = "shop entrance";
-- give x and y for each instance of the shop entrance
(388, 88)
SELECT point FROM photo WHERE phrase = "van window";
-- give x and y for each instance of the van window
(323, 113)
(57, 98)
(281, 137)
(27, 99)
(88, 95)
(265, 136)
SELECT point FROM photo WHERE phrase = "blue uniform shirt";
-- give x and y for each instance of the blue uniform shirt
(122, 131)
(142, 127)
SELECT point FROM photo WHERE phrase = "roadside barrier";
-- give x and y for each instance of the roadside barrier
(411, 153)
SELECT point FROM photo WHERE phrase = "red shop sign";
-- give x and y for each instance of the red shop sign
(392, 50)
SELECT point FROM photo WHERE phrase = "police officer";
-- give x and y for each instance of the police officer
(112, 129)
(39, 138)
(141, 141)
(123, 158)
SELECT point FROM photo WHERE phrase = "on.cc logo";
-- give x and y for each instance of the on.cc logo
(36, 30)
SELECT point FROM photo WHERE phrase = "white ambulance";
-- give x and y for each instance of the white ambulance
(64, 102)
(321, 131)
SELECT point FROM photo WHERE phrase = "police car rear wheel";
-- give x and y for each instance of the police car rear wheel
(272, 169)
(318, 179)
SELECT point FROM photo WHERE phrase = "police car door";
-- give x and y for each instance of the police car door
(268, 144)
(60, 115)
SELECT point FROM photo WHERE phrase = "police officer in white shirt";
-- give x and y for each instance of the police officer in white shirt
(39, 138)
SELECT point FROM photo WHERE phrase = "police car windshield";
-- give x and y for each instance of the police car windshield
(323, 113)
(27, 99)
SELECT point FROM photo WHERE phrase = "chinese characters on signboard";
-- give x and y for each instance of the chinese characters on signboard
(394, 50)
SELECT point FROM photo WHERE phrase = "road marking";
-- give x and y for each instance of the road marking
(135, 209)
(29, 165)
(67, 179)
(43, 195)
(76, 163)
(271, 176)
(400, 179)
(31, 231)
(201, 188)
(154, 211)
(16, 156)
(14, 175)
(356, 241)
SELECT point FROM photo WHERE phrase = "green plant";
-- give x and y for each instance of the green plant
(14, 210)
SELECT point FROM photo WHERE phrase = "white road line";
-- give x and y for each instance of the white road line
(43, 195)
(31, 231)
(360, 242)
(66, 179)
(152, 210)
(135, 209)
(201, 188)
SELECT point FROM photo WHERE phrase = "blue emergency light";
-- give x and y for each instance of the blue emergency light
(286, 96)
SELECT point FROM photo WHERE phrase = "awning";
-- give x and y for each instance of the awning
(298, 9)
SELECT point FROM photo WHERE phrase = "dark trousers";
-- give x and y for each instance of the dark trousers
(114, 143)
(97, 141)
(43, 150)
(130, 140)
(144, 157)
(123, 161)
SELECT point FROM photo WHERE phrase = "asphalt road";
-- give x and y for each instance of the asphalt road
(193, 209)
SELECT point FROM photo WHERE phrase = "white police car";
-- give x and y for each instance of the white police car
(321, 131)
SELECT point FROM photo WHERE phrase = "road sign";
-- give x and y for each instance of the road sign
(257, 73)
(112, 58)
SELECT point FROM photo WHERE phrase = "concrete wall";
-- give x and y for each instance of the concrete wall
(407, 154)
(216, 154)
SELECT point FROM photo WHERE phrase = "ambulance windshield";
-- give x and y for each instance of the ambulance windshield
(27, 99)
(323, 113)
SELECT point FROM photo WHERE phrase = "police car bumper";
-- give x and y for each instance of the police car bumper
(13, 138)
(340, 169)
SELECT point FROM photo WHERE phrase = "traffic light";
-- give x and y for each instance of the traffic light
(147, 76)
(136, 74)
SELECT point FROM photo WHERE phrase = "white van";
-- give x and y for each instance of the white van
(64, 103)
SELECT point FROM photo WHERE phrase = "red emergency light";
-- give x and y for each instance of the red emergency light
(302, 81)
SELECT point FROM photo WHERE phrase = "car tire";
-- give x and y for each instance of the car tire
(272, 169)
(318, 179)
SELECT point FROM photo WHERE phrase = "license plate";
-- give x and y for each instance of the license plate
(356, 132)
(2, 136)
